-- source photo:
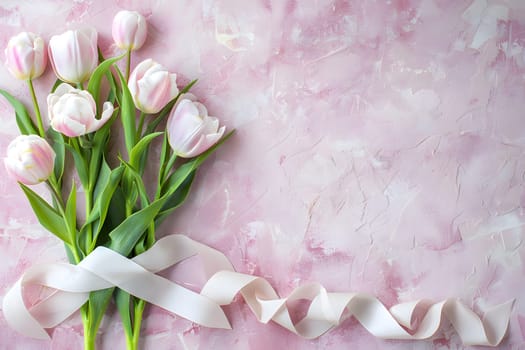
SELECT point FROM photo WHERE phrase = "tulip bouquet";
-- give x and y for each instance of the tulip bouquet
(75, 147)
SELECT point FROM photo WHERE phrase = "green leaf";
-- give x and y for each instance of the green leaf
(104, 200)
(140, 247)
(80, 165)
(127, 110)
(101, 136)
(60, 151)
(164, 155)
(138, 150)
(96, 77)
(47, 216)
(99, 144)
(116, 213)
(170, 104)
(56, 85)
(126, 235)
(85, 142)
(109, 180)
(71, 209)
(171, 162)
(98, 303)
(23, 120)
(69, 253)
(113, 88)
(102, 178)
(155, 122)
(136, 178)
(114, 216)
(101, 57)
(128, 188)
(188, 87)
(123, 301)
(94, 166)
(180, 175)
(176, 199)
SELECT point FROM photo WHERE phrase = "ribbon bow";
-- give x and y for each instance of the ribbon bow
(104, 268)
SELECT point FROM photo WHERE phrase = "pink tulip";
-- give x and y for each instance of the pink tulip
(152, 86)
(25, 56)
(190, 130)
(30, 159)
(129, 30)
(74, 55)
(73, 112)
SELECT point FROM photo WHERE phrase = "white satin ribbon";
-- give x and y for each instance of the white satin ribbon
(104, 268)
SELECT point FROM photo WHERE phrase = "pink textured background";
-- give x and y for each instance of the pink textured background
(380, 148)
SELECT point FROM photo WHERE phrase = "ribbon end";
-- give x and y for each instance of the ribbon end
(496, 322)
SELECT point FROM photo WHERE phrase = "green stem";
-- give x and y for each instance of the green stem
(129, 340)
(129, 208)
(55, 191)
(75, 144)
(89, 233)
(80, 86)
(128, 64)
(169, 165)
(141, 125)
(164, 173)
(88, 191)
(57, 195)
(89, 335)
(137, 324)
(132, 335)
(59, 204)
(41, 130)
(77, 257)
(150, 238)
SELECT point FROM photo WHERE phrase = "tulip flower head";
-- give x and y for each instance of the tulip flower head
(73, 112)
(74, 54)
(190, 130)
(30, 159)
(152, 86)
(129, 30)
(25, 56)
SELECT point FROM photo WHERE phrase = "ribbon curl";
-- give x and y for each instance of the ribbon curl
(104, 268)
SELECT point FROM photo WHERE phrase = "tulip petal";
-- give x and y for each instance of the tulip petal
(174, 90)
(30, 159)
(63, 89)
(190, 130)
(205, 142)
(16, 172)
(141, 69)
(107, 111)
(129, 30)
(25, 57)
(183, 123)
(154, 99)
(73, 54)
(136, 75)
(68, 127)
(73, 112)
(152, 86)
(210, 125)
(203, 111)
